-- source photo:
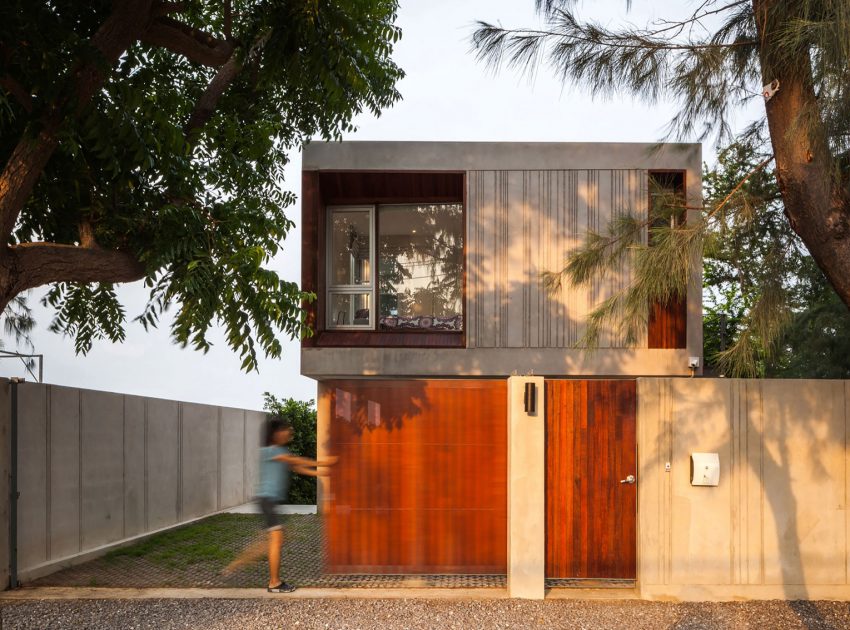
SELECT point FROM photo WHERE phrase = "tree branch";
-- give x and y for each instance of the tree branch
(205, 107)
(28, 159)
(194, 44)
(11, 85)
(228, 20)
(37, 264)
(166, 8)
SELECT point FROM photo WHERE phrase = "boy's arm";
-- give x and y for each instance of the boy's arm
(296, 461)
(310, 472)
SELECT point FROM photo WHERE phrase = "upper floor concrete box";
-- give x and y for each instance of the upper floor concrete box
(427, 258)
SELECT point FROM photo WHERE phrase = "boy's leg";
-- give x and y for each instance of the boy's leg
(258, 549)
(251, 553)
(275, 543)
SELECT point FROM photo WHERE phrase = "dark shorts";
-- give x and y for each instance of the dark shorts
(270, 516)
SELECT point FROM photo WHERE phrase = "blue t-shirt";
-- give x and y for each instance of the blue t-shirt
(274, 475)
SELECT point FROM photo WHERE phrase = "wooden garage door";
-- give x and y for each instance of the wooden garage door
(590, 449)
(421, 482)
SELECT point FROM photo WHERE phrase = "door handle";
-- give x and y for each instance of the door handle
(629, 479)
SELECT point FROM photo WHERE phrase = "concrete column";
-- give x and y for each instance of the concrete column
(5, 478)
(323, 440)
(526, 490)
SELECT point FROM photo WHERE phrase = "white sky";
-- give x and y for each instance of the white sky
(446, 96)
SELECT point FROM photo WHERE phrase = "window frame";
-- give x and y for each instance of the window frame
(372, 326)
(350, 289)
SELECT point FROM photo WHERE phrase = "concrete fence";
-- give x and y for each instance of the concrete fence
(777, 524)
(97, 468)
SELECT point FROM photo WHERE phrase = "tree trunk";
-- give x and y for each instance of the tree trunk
(816, 202)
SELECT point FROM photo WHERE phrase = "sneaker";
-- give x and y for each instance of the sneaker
(283, 587)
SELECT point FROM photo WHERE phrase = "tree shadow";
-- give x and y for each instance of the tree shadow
(782, 447)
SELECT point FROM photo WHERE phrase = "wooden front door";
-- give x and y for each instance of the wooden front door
(421, 482)
(590, 450)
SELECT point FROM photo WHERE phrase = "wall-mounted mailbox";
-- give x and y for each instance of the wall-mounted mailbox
(705, 469)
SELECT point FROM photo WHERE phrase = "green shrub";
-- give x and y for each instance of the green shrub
(302, 416)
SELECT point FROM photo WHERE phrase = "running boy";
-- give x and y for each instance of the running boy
(275, 464)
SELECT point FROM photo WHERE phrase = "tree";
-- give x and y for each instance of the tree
(711, 62)
(302, 416)
(816, 343)
(146, 139)
(780, 317)
(751, 262)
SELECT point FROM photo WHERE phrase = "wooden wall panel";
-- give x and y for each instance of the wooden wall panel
(312, 269)
(668, 325)
(421, 482)
(341, 187)
(590, 447)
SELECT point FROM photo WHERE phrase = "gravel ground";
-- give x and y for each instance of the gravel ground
(243, 614)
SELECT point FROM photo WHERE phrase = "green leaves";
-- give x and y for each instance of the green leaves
(86, 313)
(302, 416)
(211, 266)
(204, 213)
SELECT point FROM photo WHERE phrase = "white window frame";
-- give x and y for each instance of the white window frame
(350, 289)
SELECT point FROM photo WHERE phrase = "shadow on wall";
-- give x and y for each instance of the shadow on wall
(778, 516)
(522, 224)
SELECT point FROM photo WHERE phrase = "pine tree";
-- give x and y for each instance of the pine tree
(799, 49)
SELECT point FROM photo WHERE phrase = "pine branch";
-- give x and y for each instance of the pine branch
(738, 186)
(696, 16)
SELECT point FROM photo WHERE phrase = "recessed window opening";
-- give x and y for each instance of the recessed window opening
(417, 283)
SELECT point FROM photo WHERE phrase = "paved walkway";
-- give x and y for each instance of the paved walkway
(194, 555)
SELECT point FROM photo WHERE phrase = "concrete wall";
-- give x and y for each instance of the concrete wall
(777, 525)
(96, 468)
(527, 206)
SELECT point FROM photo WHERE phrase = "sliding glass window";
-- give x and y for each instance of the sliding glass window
(418, 283)
(350, 268)
(420, 274)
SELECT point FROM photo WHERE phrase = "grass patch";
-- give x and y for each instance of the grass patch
(216, 539)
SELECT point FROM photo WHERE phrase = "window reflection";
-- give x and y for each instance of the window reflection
(420, 253)
(343, 405)
(350, 247)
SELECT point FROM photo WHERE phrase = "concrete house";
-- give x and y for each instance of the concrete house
(476, 438)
